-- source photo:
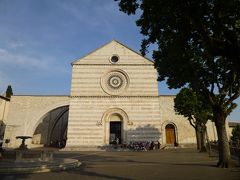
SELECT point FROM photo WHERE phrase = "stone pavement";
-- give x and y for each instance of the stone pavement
(159, 164)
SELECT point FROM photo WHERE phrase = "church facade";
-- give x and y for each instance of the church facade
(114, 98)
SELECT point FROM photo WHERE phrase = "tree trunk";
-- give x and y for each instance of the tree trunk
(208, 143)
(223, 145)
(203, 138)
(198, 138)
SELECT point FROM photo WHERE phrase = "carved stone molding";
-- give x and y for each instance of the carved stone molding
(114, 82)
(106, 116)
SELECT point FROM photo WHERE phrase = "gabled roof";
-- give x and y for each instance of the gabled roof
(145, 58)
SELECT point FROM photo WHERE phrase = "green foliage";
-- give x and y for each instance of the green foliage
(236, 134)
(9, 91)
(198, 45)
(192, 105)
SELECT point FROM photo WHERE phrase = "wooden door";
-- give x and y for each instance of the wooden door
(170, 134)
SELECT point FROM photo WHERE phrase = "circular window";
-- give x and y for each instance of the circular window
(114, 59)
(114, 82)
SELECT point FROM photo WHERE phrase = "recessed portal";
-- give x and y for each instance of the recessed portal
(115, 133)
(170, 134)
(115, 126)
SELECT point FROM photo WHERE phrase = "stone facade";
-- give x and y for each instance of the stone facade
(114, 96)
(89, 119)
(26, 113)
(101, 89)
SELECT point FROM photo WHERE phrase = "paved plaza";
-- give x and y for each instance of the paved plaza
(159, 164)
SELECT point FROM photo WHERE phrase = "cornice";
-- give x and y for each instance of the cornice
(39, 95)
(112, 97)
(112, 65)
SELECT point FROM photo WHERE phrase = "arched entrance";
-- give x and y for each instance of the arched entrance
(115, 122)
(170, 134)
(115, 129)
(52, 130)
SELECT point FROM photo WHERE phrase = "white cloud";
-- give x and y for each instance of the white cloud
(14, 44)
(94, 14)
(23, 60)
(2, 52)
(20, 68)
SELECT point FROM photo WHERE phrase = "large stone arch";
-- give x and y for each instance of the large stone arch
(40, 116)
(105, 121)
(52, 129)
(164, 124)
(57, 119)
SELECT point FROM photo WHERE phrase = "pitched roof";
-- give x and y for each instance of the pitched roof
(78, 60)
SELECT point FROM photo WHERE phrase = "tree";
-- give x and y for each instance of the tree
(199, 46)
(195, 108)
(9, 91)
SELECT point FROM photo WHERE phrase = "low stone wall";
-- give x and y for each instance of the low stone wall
(19, 155)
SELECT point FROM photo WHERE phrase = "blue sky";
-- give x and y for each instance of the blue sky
(39, 40)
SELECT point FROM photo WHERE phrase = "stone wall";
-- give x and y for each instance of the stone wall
(185, 132)
(146, 120)
(86, 80)
(89, 119)
(26, 112)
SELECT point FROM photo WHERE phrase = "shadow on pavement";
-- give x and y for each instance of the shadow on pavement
(13, 176)
(82, 171)
(196, 164)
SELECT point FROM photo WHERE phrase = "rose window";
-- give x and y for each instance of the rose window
(114, 82)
